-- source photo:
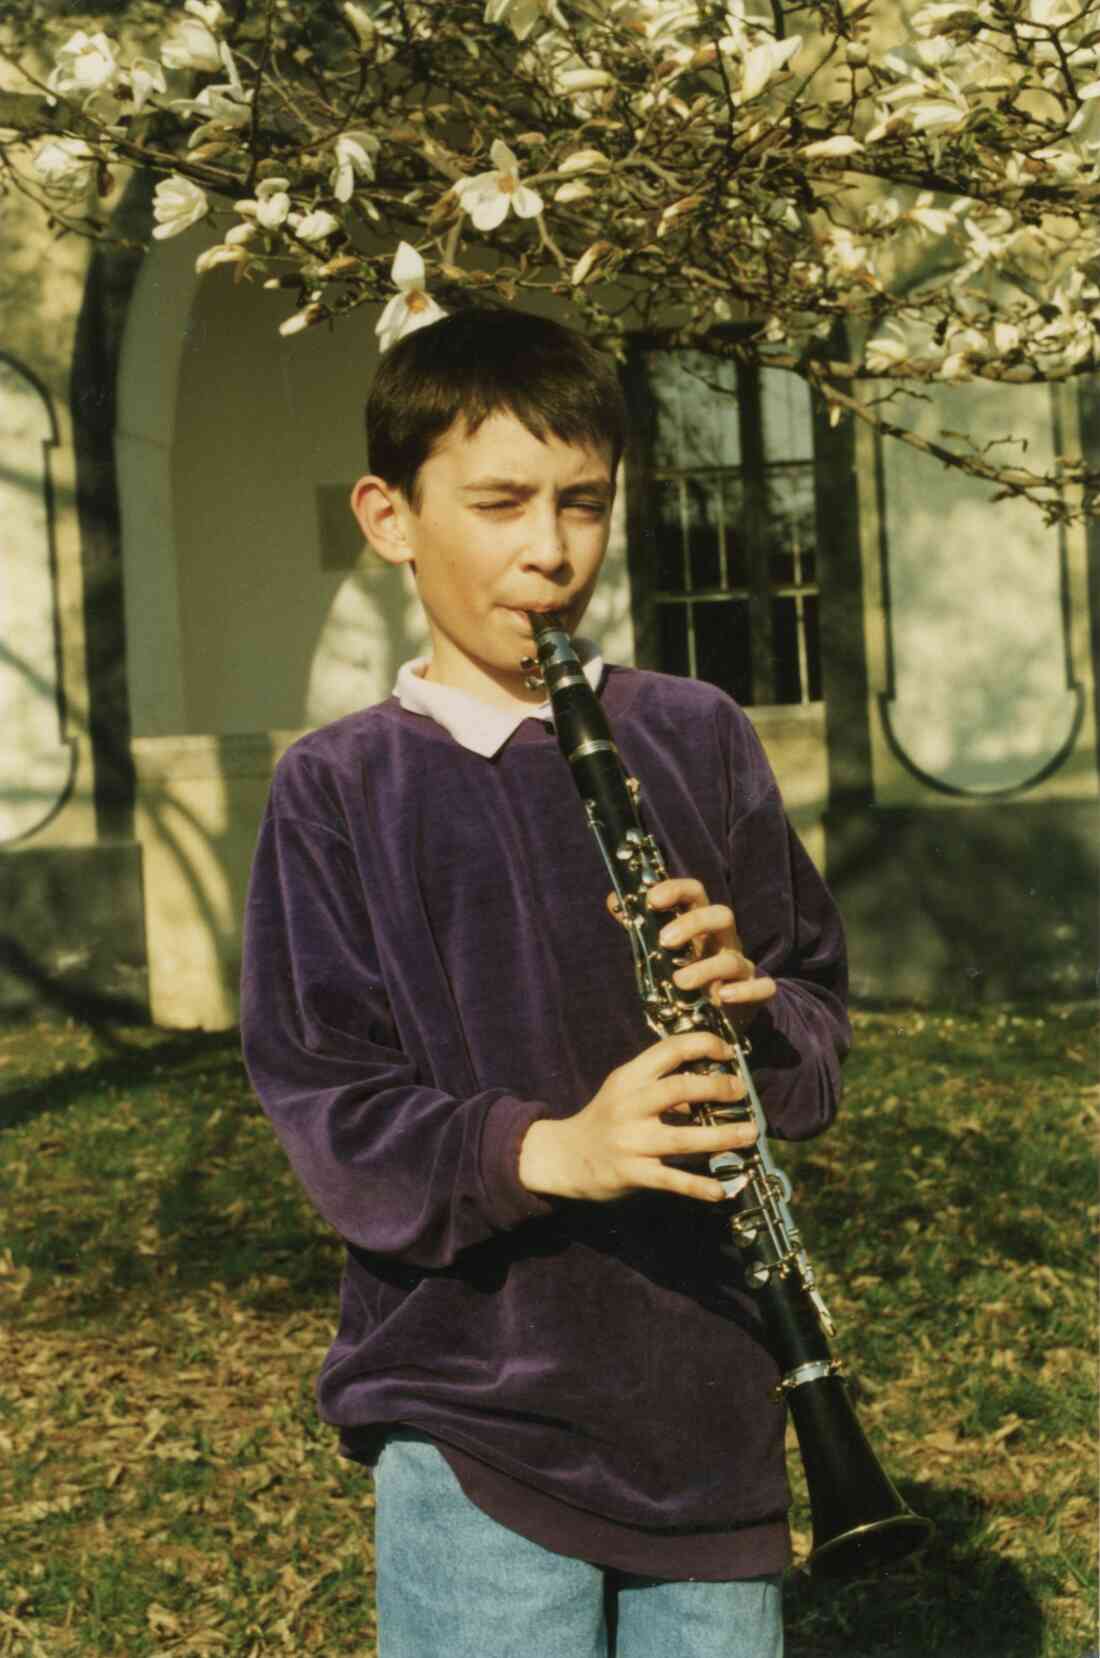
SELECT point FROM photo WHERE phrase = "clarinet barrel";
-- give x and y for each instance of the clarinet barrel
(860, 1521)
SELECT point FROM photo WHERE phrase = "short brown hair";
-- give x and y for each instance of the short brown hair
(481, 362)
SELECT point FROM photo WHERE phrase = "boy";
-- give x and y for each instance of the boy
(566, 1402)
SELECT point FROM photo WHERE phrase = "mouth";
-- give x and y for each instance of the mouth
(525, 610)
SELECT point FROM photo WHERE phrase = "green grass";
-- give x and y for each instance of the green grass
(167, 1296)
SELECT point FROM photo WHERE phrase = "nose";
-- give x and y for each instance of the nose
(545, 545)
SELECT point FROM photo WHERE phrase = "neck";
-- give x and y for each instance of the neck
(495, 686)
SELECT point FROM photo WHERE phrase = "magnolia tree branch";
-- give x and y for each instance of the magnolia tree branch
(1056, 492)
(931, 182)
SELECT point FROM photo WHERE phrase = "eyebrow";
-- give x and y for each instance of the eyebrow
(517, 486)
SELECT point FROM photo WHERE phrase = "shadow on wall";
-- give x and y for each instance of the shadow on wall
(201, 798)
(970, 903)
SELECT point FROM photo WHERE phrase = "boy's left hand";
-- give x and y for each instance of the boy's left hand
(709, 932)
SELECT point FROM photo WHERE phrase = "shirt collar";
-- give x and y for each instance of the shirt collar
(480, 726)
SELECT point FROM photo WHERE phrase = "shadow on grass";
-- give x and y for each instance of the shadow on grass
(959, 1599)
(177, 1181)
(131, 1064)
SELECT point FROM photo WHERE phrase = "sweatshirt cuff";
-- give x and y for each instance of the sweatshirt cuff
(507, 1202)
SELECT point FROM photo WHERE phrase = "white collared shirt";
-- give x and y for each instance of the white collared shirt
(481, 726)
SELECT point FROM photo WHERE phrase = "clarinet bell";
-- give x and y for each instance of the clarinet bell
(861, 1523)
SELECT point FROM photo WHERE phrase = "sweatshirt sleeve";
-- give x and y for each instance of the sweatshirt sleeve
(396, 1166)
(792, 930)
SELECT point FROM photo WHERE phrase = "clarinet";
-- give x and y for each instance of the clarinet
(860, 1521)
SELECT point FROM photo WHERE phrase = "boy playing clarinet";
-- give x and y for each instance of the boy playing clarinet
(567, 1404)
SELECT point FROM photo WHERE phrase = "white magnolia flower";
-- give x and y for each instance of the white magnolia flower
(240, 235)
(146, 77)
(844, 252)
(937, 220)
(363, 24)
(272, 202)
(178, 205)
(933, 53)
(487, 196)
(520, 15)
(224, 106)
(929, 18)
(884, 353)
(584, 161)
(411, 307)
(665, 25)
(312, 313)
(581, 78)
(939, 114)
(222, 255)
(193, 43)
(86, 64)
(64, 166)
(210, 12)
(313, 227)
(355, 153)
(551, 60)
(842, 144)
(762, 62)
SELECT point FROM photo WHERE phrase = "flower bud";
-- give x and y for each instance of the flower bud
(581, 80)
(361, 22)
(301, 320)
(584, 161)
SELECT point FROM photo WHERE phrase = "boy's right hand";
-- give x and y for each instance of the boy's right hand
(615, 1144)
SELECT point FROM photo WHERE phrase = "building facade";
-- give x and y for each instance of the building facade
(186, 591)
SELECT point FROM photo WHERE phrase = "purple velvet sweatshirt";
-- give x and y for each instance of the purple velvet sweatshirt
(429, 967)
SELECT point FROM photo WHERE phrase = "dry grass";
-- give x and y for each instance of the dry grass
(168, 1296)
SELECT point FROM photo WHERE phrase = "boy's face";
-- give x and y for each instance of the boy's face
(506, 523)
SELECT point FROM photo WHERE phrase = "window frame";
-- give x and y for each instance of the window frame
(759, 590)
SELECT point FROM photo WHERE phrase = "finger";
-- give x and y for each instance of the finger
(669, 1096)
(726, 964)
(681, 889)
(699, 923)
(705, 1141)
(750, 991)
(690, 1088)
(671, 1052)
(660, 1178)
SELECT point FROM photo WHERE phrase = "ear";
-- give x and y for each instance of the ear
(381, 512)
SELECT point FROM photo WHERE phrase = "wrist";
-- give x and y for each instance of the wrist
(540, 1158)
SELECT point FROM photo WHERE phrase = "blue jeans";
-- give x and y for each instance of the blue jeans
(453, 1583)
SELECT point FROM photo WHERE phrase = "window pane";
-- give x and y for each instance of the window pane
(668, 535)
(723, 647)
(672, 638)
(704, 512)
(811, 612)
(737, 558)
(790, 507)
(695, 407)
(787, 416)
(735, 524)
(788, 673)
(784, 571)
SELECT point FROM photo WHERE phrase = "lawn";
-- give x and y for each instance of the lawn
(167, 1297)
